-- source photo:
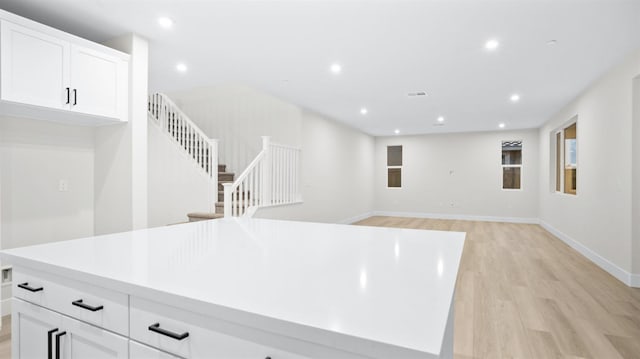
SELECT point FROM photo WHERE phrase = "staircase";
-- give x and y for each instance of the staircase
(223, 177)
(272, 178)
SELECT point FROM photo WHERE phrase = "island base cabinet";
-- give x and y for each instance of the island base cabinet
(182, 333)
(40, 333)
(31, 326)
(141, 351)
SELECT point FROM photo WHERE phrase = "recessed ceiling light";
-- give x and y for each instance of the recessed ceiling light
(396, 131)
(181, 67)
(515, 97)
(165, 22)
(336, 68)
(440, 119)
(552, 42)
(491, 44)
(501, 125)
(364, 111)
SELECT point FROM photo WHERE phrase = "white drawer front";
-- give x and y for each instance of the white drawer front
(198, 343)
(141, 351)
(59, 294)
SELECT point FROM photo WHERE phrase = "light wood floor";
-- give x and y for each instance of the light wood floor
(5, 338)
(523, 293)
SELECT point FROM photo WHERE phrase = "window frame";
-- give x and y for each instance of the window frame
(521, 166)
(394, 167)
(559, 153)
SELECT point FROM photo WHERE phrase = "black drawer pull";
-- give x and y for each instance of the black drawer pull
(68, 95)
(79, 303)
(58, 344)
(50, 343)
(156, 328)
(25, 286)
(75, 97)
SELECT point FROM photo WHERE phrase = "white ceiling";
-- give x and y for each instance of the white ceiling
(386, 49)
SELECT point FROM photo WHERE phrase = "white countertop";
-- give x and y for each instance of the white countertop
(317, 282)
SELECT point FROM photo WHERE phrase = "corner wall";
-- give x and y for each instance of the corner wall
(597, 221)
(458, 176)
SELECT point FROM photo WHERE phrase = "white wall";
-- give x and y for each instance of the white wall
(34, 157)
(457, 176)
(635, 216)
(597, 220)
(337, 166)
(238, 116)
(176, 185)
(121, 152)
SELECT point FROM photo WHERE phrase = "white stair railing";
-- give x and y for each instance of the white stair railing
(187, 135)
(272, 178)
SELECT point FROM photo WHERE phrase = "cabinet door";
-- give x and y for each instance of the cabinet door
(84, 341)
(141, 351)
(99, 83)
(31, 324)
(34, 67)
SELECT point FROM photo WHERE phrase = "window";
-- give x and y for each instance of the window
(566, 157)
(511, 164)
(394, 166)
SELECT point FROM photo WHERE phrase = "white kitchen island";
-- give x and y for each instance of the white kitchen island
(238, 288)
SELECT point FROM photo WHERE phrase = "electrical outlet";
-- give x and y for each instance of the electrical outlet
(63, 185)
(7, 275)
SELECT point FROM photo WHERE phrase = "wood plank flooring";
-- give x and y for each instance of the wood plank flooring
(523, 293)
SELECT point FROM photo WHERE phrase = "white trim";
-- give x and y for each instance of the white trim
(6, 307)
(357, 218)
(457, 217)
(632, 280)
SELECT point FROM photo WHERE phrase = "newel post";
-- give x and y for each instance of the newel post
(227, 199)
(266, 166)
(213, 167)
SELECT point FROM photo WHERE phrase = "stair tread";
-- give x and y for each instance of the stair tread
(210, 215)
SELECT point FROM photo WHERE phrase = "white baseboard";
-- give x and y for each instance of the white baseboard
(457, 217)
(632, 280)
(6, 307)
(357, 218)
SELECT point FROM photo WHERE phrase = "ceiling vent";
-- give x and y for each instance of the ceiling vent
(417, 94)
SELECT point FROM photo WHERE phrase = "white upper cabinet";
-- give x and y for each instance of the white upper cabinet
(96, 80)
(35, 67)
(48, 74)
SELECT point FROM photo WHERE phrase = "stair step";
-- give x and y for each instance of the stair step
(203, 216)
(222, 168)
(226, 176)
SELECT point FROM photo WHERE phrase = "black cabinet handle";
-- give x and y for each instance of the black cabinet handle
(79, 303)
(156, 328)
(25, 286)
(50, 343)
(58, 344)
(68, 95)
(75, 97)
